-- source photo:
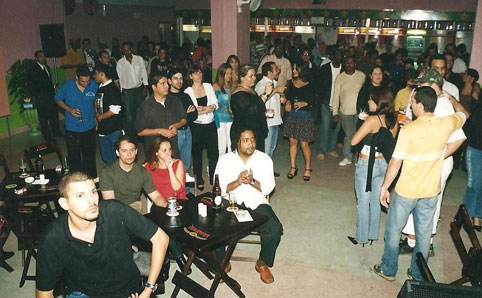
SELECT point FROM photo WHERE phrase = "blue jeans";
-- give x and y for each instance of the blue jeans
(184, 143)
(368, 203)
(400, 208)
(77, 295)
(473, 191)
(328, 135)
(348, 123)
(271, 140)
(107, 146)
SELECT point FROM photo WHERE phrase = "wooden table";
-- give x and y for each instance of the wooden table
(33, 193)
(198, 235)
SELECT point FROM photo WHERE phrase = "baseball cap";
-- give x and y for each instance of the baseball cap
(260, 47)
(429, 76)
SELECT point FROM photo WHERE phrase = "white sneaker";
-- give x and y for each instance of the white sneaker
(344, 162)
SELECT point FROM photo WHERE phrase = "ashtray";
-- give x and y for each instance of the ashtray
(29, 179)
(24, 175)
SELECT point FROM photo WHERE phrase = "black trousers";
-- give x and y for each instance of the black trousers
(270, 233)
(204, 136)
(81, 148)
(48, 116)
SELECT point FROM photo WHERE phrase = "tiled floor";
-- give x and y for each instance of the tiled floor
(314, 259)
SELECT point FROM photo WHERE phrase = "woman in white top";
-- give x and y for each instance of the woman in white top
(204, 134)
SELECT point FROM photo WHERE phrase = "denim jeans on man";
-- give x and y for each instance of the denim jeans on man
(400, 208)
(368, 203)
(328, 135)
(271, 140)
(348, 123)
(184, 143)
(473, 191)
(107, 146)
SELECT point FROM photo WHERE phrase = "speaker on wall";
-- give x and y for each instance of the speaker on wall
(53, 40)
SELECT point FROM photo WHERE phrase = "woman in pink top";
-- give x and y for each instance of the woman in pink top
(167, 172)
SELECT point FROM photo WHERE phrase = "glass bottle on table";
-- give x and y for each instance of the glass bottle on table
(217, 193)
(39, 163)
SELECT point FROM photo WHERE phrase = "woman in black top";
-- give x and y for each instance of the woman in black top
(248, 108)
(299, 126)
(374, 80)
(377, 134)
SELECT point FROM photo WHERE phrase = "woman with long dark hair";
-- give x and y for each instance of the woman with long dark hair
(248, 107)
(377, 134)
(167, 172)
(204, 134)
(233, 61)
(222, 88)
(374, 80)
(299, 126)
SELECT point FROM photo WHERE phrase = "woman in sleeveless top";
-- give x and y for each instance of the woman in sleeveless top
(299, 127)
(377, 133)
(203, 129)
(248, 107)
(222, 116)
(469, 94)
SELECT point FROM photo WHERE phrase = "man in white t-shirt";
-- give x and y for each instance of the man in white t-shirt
(439, 63)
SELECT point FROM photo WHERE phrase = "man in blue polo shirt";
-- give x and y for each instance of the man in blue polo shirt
(77, 98)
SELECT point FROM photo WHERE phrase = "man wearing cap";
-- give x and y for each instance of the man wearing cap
(444, 108)
(260, 52)
(419, 183)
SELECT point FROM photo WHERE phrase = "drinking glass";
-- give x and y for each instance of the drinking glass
(22, 165)
(232, 201)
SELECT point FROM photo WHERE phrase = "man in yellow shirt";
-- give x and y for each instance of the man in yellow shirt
(422, 147)
(73, 59)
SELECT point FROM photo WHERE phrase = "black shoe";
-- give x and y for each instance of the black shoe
(181, 263)
(276, 174)
(190, 196)
(404, 248)
(164, 275)
(478, 228)
(431, 252)
(200, 187)
(353, 240)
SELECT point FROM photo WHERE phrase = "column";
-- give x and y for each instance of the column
(476, 52)
(230, 31)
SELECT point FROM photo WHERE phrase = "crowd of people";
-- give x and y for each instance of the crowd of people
(380, 107)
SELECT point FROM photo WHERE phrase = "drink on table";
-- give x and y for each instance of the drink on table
(216, 193)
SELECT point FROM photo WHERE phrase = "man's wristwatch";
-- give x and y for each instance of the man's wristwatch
(153, 287)
(253, 181)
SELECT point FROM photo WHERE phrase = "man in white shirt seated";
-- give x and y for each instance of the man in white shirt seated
(248, 173)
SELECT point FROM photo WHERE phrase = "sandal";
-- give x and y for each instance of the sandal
(290, 175)
(307, 178)
(200, 187)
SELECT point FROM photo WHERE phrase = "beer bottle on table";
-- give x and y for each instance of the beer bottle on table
(216, 193)
(39, 163)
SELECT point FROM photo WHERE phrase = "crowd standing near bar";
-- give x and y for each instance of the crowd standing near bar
(375, 104)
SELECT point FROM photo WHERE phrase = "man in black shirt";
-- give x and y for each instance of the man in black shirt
(108, 113)
(90, 248)
(184, 136)
(160, 114)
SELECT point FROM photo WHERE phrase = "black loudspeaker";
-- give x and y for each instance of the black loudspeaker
(422, 289)
(53, 40)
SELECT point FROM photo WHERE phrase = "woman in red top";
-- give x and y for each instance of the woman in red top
(167, 172)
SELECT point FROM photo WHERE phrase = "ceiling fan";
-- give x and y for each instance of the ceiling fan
(254, 5)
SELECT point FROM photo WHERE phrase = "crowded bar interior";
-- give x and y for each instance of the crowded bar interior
(240, 148)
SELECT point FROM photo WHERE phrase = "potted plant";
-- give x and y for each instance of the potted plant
(19, 88)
